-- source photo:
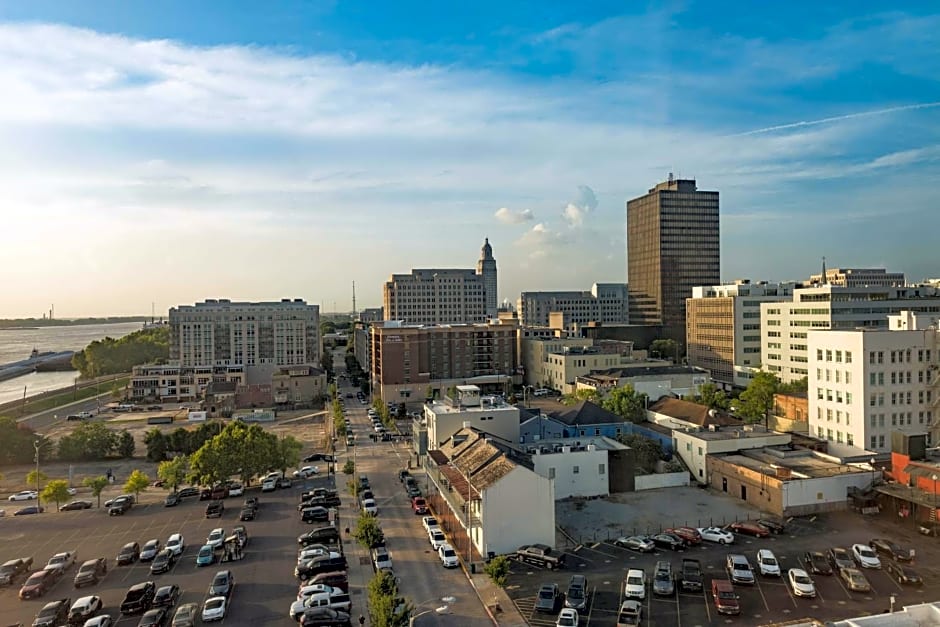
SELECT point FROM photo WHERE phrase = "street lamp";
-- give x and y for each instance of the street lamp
(871, 463)
(36, 447)
(934, 477)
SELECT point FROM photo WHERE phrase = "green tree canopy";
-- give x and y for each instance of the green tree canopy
(88, 441)
(240, 449)
(367, 531)
(112, 356)
(647, 452)
(713, 398)
(97, 485)
(584, 394)
(172, 472)
(758, 399)
(125, 444)
(386, 608)
(157, 445)
(56, 491)
(136, 483)
(287, 452)
(498, 570)
(35, 478)
(664, 349)
(627, 403)
(17, 443)
(797, 388)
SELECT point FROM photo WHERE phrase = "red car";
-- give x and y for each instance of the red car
(690, 535)
(419, 505)
(750, 528)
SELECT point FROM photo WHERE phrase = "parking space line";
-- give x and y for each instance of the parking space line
(761, 592)
(591, 604)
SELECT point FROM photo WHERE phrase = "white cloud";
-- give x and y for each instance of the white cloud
(575, 212)
(508, 216)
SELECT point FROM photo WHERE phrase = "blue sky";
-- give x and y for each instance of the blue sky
(172, 151)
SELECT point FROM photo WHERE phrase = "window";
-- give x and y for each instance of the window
(874, 441)
(829, 434)
(828, 355)
(819, 354)
(601, 469)
(872, 378)
(700, 451)
(848, 398)
(848, 376)
(551, 473)
(849, 439)
(828, 374)
(839, 357)
(576, 470)
(838, 376)
(881, 441)
(828, 415)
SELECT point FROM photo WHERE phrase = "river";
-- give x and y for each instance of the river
(16, 344)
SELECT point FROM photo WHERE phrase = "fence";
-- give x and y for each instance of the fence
(663, 480)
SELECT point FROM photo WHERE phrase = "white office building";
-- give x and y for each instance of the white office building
(785, 325)
(607, 303)
(446, 417)
(866, 383)
(580, 468)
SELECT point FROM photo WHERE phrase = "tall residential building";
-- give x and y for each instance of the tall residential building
(723, 332)
(859, 277)
(606, 303)
(443, 296)
(784, 325)
(865, 384)
(672, 247)
(407, 360)
(262, 337)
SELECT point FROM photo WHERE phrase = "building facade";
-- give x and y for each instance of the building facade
(535, 351)
(859, 277)
(174, 383)
(695, 445)
(723, 328)
(672, 246)
(298, 385)
(589, 468)
(446, 417)
(260, 337)
(866, 384)
(654, 379)
(410, 363)
(444, 296)
(785, 325)
(605, 303)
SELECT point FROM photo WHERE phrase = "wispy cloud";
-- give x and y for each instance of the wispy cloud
(508, 216)
(838, 118)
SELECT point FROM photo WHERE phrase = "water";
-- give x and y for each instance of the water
(17, 344)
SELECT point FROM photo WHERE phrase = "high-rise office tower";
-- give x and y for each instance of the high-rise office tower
(486, 267)
(672, 246)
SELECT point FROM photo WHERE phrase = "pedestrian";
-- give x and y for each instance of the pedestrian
(362, 620)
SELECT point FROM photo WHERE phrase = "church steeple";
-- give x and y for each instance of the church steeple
(824, 280)
(487, 251)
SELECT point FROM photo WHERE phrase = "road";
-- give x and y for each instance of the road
(422, 578)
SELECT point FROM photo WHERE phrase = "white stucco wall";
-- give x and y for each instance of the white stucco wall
(664, 480)
(820, 490)
(587, 481)
(693, 449)
(518, 509)
(502, 422)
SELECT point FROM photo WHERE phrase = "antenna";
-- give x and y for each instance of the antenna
(354, 300)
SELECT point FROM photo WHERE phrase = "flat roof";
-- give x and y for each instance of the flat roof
(602, 443)
(489, 404)
(734, 433)
(802, 464)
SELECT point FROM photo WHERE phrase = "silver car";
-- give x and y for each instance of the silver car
(663, 581)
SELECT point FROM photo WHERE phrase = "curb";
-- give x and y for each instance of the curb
(486, 607)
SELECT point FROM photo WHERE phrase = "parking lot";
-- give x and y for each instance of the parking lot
(264, 588)
(769, 600)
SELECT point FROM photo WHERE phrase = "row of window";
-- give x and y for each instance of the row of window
(836, 375)
(899, 356)
(900, 398)
(897, 419)
(830, 414)
(833, 395)
(838, 436)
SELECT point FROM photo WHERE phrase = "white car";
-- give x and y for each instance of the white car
(448, 556)
(25, 495)
(216, 538)
(214, 609)
(568, 618)
(865, 556)
(236, 489)
(437, 538)
(767, 563)
(428, 522)
(381, 559)
(306, 471)
(800, 583)
(369, 507)
(716, 534)
(310, 552)
(85, 607)
(634, 586)
(72, 491)
(269, 485)
(311, 589)
(176, 544)
(99, 621)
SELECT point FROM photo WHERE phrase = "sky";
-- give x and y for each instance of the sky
(176, 151)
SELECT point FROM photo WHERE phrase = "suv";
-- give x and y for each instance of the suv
(321, 535)
(320, 564)
(120, 505)
(13, 569)
(726, 601)
(139, 598)
(53, 613)
(634, 587)
(739, 569)
(576, 597)
(91, 572)
(129, 554)
(419, 505)
(215, 509)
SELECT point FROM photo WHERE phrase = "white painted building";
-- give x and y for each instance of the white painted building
(864, 384)
(578, 469)
(487, 413)
(785, 325)
(694, 445)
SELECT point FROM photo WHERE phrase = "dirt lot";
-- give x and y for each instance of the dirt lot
(306, 426)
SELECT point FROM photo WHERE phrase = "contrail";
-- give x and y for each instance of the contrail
(850, 116)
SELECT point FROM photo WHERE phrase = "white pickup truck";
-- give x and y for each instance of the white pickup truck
(63, 561)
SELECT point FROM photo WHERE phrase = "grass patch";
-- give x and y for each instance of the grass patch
(70, 396)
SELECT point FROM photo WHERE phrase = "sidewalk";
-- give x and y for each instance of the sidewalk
(497, 603)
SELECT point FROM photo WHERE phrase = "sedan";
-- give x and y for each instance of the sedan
(668, 541)
(716, 534)
(816, 563)
(236, 489)
(99, 621)
(891, 550)
(172, 500)
(176, 544)
(185, 615)
(156, 617)
(840, 558)
(76, 505)
(206, 556)
(163, 562)
(167, 596)
(222, 584)
(903, 574)
(31, 509)
(688, 534)
(636, 543)
(568, 618)
(188, 492)
(216, 537)
(25, 495)
(865, 557)
(549, 599)
(854, 580)
(149, 550)
(750, 528)
(800, 583)
(214, 609)
(306, 471)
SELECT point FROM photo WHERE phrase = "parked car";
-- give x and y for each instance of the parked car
(631, 613)
(176, 544)
(53, 613)
(214, 609)
(315, 514)
(172, 500)
(222, 584)
(817, 563)
(91, 572)
(149, 550)
(29, 510)
(216, 538)
(139, 597)
(12, 569)
(188, 492)
(663, 584)
(724, 597)
(576, 596)
(854, 580)
(38, 584)
(568, 617)
(325, 617)
(448, 556)
(76, 505)
(636, 543)
(750, 528)
(767, 564)
(772, 525)
(549, 599)
(215, 509)
(154, 617)
(634, 585)
(236, 489)
(800, 583)
(419, 505)
(205, 556)
(185, 615)
(83, 609)
(668, 541)
(716, 534)
(865, 556)
(128, 554)
(891, 550)
(903, 574)
(328, 535)
(24, 495)
(247, 513)
(739, 569)
(840, 558)
(381, 560)
(689, 534)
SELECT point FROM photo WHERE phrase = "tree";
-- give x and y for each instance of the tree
(713, 398)
(646, 452)
(288, 452)
(498, 570)
(756, 402)
(136, 482)
(34, 478)
(386, 608)
(240, 449)
(664, 349)
(125, 444)
(172, 472)
(89, 441)
(157, 444)
(332, 390)
(56, 490)
(367, 531)
(326, 364)
(349, 467)
(97, 485)
(584, 394)
(17, 443)
(627, 403)
(112, 356)
(797, 388)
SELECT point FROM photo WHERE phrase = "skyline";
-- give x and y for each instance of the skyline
(176, 154)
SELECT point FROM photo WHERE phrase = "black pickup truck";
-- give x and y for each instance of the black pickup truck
(540, 555)
(690, 577)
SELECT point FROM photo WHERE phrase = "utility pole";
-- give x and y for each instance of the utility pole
(354, 300)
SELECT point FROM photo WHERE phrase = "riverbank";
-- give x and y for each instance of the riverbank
(57, 398)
